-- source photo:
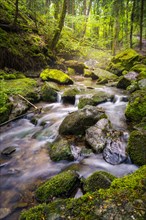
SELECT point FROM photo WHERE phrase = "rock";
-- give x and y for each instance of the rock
(142, 84)
(55, 76)
(141, 69)
(8, 150)
(123, 61)
(77, 122)
(114, 151)
(77, 66)
(96, 99)
(123, 83)
(59, 186)
(104, 76)
(90, 73)
(69, 95)
(131, 75)
(71, 71)
(96, 135)
(137, 147)
(4, 212)
(48, 94)
(60, 150)
(98, 180)
(136, 108)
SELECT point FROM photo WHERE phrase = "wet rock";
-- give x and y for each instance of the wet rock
(60, 150)
(4, 212)
(96, 135)
(114, 151)
(8, 150)
(137, 146)
(77, 122)
(48, 94)
(98, 180)
(59, 186)
(123, 83)
(69, 95)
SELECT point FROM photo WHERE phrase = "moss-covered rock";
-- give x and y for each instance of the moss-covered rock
(123, 83)
(136, 108)
(98, 180)
(60, 150)
(77, 122)
(5, 107)
(10, 74)
(104, 76)
(137, 147)
(123, 61)
(69, 95)
(56, 76)
(48, 94)
(77, 66)
(90, 73)
(142, 84)
(59, 186)
(125, 198)
(141, 69)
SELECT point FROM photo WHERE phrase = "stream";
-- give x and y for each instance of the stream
(29, 165)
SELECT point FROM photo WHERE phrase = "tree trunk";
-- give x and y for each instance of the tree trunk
(87, 15)
(141, 22)
(131, 26)
(60, 25)
(16, 12)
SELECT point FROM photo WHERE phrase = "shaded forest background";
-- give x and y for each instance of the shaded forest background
(66, 27)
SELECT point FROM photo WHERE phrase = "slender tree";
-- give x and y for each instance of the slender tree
(141, 22)
(60, 25)
(16, 12)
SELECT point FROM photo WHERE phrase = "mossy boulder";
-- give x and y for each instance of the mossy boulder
(59, 186)
(98, 180)
(125, 197)
(142, 84)
(123, 83)
(104, 76)
(5, 107)
(77, 122)
(56, 76)
(94, 100)
(90, 73)
(136, 108)
(141, 69)
(137, 147)
(60, 150)
(69, 95)
(76, 65)
(48, 94)
(125, 60)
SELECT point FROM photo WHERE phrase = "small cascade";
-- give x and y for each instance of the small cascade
(59, 97)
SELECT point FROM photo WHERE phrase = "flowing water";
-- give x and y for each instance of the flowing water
(29, 165)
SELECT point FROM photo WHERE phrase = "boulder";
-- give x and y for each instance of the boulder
(123, 61)
(69, 95)
(60, 150)
(98, 180)
(136, 108)
(59, 186)
(141, 69)
(8, 150)
(104, 76)
(123, 83)
(76, 65)
(96, 135)
(142, 84)
(55, 76)
(90, 73)
(48, 94)
(137, 146)
(77, 122)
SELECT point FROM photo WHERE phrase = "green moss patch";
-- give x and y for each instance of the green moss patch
(56, 75)
(59, 186)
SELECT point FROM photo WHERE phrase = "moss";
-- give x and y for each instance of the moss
(10, 74)
(77, 66)
(5, 107)
(123, 83)
(71, 71)
(98, 180)
(85, 101)
(60, 150)
(48, 94)
(136, 108)
(56, 75)
(104, 75)
(141, 69)
(59, 186)
(137, 147)
(125, 197)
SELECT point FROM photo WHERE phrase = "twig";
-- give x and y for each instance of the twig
(28, 101)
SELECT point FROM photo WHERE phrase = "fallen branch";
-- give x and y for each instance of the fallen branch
(28, 101)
